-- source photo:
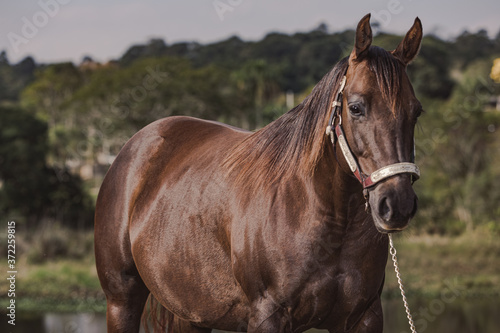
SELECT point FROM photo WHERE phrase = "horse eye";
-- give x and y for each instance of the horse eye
(355, 110)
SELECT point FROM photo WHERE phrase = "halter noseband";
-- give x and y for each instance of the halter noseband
(366, 180)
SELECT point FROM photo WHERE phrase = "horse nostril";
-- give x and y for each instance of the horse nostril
(384, 209)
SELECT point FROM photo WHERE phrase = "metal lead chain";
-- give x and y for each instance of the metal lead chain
(400, 282)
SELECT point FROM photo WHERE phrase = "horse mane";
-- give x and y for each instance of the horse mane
(292, 142)
(295, 142)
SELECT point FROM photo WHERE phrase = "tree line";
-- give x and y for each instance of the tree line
(63, 122)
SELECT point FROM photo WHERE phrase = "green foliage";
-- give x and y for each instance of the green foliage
(54, 242)
(14, 78)
(301, 59)
(430, 73)
(470, 47)
(257, 83)
(79, 116)
(32, 191)
(52, 87)
(457, 148)
(469, 262)
(22, 163)
(154, 48)
(115, 102)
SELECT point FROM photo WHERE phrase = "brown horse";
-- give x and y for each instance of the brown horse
(266, 231)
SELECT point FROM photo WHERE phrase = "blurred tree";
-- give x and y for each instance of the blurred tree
(469, 47)
(228, 53)
(319, 53)
(31, 192)
(13, 78)
(53, 86)
(92, 110)
(156, 47)
(23, 145)
(430, 73)
(188, 50)
(322, 28)
(47, 97)
(460, 188)
(258, 82)
(118, 101)
(3, 58)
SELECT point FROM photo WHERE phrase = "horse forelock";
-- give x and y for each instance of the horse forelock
(389, 73)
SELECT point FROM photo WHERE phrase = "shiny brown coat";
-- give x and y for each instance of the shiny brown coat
(265, 231)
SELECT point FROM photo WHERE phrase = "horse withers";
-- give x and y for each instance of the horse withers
(266, 231)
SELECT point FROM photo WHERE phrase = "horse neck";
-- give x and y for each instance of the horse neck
(340, 193)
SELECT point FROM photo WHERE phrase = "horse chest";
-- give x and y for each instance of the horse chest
(310, 270)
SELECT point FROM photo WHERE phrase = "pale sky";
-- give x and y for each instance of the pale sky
(67, 30)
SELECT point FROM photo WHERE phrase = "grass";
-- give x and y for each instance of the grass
(430, 266)
(55, 272)
(57, 286)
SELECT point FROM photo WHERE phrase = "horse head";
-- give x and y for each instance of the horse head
(377, 114)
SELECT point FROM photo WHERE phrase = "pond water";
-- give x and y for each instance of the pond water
(440, 315)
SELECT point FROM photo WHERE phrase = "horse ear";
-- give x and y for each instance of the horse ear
(363, 38)
(407, 50)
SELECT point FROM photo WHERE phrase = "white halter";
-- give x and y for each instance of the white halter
(376, 176)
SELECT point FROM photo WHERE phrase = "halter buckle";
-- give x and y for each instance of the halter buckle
(336, 105)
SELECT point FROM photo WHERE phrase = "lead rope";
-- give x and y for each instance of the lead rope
(400, 282)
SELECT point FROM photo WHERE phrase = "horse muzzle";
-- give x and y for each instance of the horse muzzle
(393, 203)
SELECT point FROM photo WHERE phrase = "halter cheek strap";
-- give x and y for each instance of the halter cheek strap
(366, 180)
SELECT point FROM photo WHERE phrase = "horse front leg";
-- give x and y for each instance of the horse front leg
(126, 297)
(372, 320)
(268, 316)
